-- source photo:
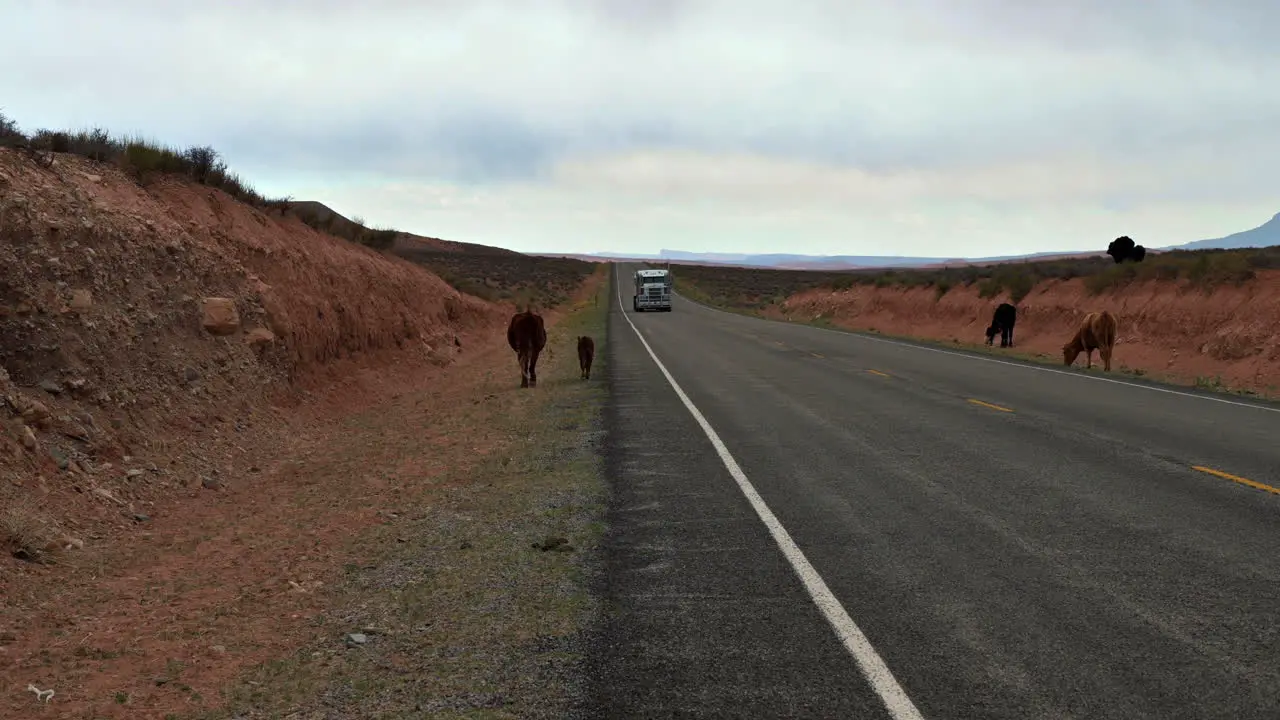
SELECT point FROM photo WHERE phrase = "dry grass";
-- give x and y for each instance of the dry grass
(27, 533)
(145, 159)
(754, 289)
(542, 281)
(462, 616)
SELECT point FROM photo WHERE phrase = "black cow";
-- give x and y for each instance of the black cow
(1002, 321)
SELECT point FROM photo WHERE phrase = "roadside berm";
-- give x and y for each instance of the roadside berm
(167, 353)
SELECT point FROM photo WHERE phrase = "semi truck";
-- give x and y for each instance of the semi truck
(653, 290)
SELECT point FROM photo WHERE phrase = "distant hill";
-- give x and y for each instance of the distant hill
(321, 216)
(784, 261)
(1265, 235)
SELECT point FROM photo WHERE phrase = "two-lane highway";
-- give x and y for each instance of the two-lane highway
(1009, 541)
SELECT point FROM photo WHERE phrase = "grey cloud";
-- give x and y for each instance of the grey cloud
(468, 147)
(397, 88)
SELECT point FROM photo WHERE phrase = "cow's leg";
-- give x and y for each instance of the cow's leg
(1089, 356)
(1006, 338)
(533, 368)
(1106, 358)
(524, 368)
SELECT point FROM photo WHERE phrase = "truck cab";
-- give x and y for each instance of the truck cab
(653, 290)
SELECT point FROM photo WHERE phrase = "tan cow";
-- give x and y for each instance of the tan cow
(1097, 332)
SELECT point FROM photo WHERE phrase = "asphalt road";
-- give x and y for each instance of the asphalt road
(1014, 542)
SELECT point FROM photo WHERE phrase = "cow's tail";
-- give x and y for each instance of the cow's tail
(1109, 328)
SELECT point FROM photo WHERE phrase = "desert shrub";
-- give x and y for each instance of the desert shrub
(52, 141)
(379, 238)
(10, 135)
(1017, 281)
(1209, 271)
(989, 288)
(202, 162)
(27, 533)
(1110, 278)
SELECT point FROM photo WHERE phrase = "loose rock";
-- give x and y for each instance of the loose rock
(259, 337)
(220, 316)
(81, 300)
(554, 543)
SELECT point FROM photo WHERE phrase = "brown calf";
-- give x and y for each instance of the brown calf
(1097, 332)
(586, 351)
(527, 336)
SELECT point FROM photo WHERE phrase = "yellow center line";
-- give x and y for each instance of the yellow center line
(1237, 478)
(989, 405)
(877, 372)
(815, 354)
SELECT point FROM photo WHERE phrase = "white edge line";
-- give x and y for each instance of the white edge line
(873, 667)
(1027, 366)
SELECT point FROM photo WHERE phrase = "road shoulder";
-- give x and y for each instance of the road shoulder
(468, 596)
(701, 614)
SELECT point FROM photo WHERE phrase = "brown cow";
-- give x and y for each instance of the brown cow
(527, 336)
(586, 351)
(1097, 332)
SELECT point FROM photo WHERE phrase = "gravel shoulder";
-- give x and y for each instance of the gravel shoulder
(470, 596)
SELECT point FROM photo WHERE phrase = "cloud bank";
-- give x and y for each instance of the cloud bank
(931, 127)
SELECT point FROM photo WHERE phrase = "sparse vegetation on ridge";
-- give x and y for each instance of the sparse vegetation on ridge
(759, 288)
(523, 279)
(144, 160)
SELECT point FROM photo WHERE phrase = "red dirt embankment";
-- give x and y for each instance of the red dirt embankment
(105, 290)
(165, 351)
(1228, 336)
(129, 313)
(150, 337)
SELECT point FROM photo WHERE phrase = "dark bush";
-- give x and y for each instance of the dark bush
(1123, 248)
(10, 135)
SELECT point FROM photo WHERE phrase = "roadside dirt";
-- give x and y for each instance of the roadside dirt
(178, 471)
(1227, 338)
(162, 621)
(468, 598)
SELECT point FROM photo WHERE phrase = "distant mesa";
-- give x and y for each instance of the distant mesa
(1265, 235)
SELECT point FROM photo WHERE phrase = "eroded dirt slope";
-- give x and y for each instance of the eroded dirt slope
(1229, 335)
(170, 362)
(149, 336)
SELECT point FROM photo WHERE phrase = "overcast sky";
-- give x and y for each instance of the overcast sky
(917, 127)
